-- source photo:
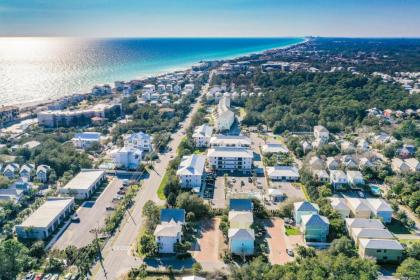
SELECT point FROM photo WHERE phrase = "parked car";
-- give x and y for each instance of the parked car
(122, 192)
(233, 180)
(361, 194)
(47, 277)
(290, 252)
(249, 180)
(109, 208)
(39, 276)
(30, 276)
(126, 182)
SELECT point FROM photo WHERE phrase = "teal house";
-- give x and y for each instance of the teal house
(304, 208)
(241, 241)
(315, 228)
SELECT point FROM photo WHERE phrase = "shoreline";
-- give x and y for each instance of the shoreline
(31, 105)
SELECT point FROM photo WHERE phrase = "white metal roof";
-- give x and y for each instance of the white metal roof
(192, 165)
(84, 180)
(231, 152)
(381, 244)
(282, 171)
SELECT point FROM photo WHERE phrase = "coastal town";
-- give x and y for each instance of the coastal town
(295, 159)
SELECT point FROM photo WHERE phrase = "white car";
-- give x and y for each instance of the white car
(361, 194)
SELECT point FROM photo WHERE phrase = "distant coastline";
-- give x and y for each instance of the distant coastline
(221, 56)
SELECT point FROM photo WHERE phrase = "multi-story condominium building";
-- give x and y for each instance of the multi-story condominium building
(202, 135)
(191, 171)
(232, 159)
(140, 140)
(224, 117)
(230, 141)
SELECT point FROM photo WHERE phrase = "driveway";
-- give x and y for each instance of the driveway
(206, 250)
(92, 216)
(276, 239)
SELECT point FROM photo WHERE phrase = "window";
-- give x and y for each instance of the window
(378, 251)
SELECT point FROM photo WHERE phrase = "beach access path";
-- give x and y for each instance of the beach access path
(118, 253)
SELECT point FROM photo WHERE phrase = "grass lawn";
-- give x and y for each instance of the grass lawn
(397, 227)
(290, 230)
(160, 193)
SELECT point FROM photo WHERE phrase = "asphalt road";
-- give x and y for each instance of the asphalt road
(118, 256)
(79, 234)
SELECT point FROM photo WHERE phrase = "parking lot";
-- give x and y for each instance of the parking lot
(291, 193)
(92, 216)
(276, 239)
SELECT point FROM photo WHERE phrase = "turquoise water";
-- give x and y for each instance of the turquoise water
(38, 69)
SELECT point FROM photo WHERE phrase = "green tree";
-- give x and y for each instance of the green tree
(342, 245)
(148, 246)
(152, 213)
(14, 258)
(194, 204)
(409, 269)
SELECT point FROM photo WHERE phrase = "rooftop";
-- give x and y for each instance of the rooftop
(241, 233)
(172, 214)
(48, 212)
(238, 204)
(363, 223)
(283, 171)
(84, 180)
(192, 165)
(381, 244)
(232, 152)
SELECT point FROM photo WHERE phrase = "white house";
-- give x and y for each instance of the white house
(202, 135)
(46, 219)
(191, 171)
(84, 184)
(283, 173)
(274, 148)
(355, 177)
(321, 175)
(140, 140)
(230, 159)
(338, 178)
(85, 140)
(127, 157)
(380, 209)
(225, 117)
(363, 223)
(169, 231)
(339, 205)
(42, 173)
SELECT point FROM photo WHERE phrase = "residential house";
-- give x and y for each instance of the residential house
(370, 233)
(332, 163)
(339, 205)
(383, 250)
(191, 171)
(355, 177)
(365, 162)
(127, 158)
(85, 140)
(27, 170)
(363, 145)
(338, 179)
(316, 163)
(358, 207)
(11, 194)
(241, 241)
(347, 147)
(315, 228)
(42, 173)
(363, 223)
(304, 208)
(275, 195)
(380, 209)
(400, 166)
(140, 140)
(239, 204)
(283, 173)
(240, 219)
(202, 135)
(224, 117)
(169, 231)
(11, 170)
(321, 175)
(321, 134)
(413, 164)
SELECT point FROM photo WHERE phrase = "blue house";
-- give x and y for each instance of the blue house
(172, 214)
(241, 241)
(315, 228)
(236, 204)
(304, 208)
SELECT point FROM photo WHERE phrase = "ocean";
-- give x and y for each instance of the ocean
(39, 69)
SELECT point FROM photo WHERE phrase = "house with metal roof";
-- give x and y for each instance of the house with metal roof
(315, 227)
(370, 233)
(202, 135)
(191, 171)
(241, 241)
(304, 208)
(381, 209)
(240, 219)
(274, 148)
(83, 185)
(169, 231)
(172, 214)
(339, 205)
(358, 207)
(383, 250)
(283, 173)
(363, 223)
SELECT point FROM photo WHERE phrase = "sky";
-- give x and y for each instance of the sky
(210, 18)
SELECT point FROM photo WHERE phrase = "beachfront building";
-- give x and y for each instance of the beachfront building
(380, 209)
(283, 173)
(224, 116)
(169, 231)
(304, 208)
(202, 135)
(83, 185)
(127, 158)
(191, 171)
(230, 159)
(140, 140)
(8, 114)
(238, 141)
(46, 219)
(66, 118)
(85, 140)
(315, 227)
